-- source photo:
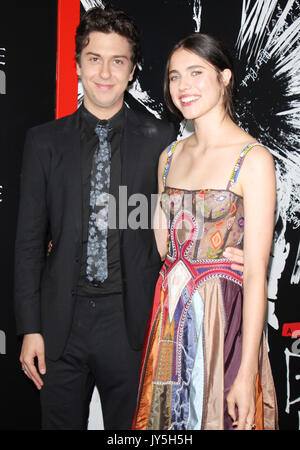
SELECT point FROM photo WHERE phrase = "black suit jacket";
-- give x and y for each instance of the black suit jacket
(51, 205)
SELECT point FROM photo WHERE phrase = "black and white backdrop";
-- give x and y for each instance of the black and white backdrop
(263, 36)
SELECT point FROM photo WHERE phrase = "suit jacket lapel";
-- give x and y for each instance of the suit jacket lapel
(69, 140)
(130, 155)
(130, 149)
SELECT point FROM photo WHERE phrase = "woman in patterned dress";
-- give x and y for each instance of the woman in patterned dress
(205, 364)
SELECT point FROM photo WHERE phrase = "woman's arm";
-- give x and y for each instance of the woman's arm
(160, 224)
(258, 183)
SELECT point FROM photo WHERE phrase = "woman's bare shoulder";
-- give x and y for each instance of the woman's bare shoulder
(259, 154)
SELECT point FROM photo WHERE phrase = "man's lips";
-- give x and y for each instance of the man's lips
(104, 87)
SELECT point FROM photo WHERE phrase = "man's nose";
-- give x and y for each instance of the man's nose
(105, 70)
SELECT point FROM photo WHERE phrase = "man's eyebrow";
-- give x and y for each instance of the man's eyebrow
(120, 56)
(113, 56)
(92, 53)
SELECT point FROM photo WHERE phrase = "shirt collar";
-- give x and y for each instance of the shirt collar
(116, 123)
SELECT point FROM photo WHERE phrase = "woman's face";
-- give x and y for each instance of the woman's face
(194, 84)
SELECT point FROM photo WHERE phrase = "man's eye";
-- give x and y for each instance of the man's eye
(118, 61)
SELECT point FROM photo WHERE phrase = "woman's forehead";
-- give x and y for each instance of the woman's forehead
(186, 58)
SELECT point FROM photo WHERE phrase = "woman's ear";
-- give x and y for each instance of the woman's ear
(226, 76)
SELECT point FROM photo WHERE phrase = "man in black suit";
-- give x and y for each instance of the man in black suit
(83, 331)
(91, 332)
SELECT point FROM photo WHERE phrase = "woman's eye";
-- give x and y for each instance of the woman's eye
(174, 77)
(195, 73)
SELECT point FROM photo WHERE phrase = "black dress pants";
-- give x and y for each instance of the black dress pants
(97, 353)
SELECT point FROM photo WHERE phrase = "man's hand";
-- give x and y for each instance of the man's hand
(237, 256)
(49, 248)
(33, 347)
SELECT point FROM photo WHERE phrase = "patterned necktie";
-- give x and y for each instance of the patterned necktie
(96, 268)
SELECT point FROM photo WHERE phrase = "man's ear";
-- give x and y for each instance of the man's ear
(78, 70)
(132, 73)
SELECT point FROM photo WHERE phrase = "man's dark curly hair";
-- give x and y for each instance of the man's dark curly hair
(108, 20)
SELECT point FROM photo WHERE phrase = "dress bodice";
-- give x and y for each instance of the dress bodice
(203, 222)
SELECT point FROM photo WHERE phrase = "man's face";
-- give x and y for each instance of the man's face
(105, 70)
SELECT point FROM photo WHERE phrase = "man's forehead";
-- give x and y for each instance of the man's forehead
(107, 42)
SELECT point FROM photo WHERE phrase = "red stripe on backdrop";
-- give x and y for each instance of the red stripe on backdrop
(68, 17)
(291, 329)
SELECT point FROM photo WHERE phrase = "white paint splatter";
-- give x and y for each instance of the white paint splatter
(95, 421)
(144, 98)
(197, 11)
(289, 401)
(295, 278)
(87, 4)
(271, 33)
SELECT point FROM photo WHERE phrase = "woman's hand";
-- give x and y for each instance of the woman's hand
(237, 256)
(242, 395)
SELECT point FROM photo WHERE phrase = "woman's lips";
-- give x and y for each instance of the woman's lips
(188, 100)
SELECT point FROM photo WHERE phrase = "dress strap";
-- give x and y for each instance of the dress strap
(170, 153)
(237, 167)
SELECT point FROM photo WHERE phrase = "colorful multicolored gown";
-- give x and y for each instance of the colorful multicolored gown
(193, 343)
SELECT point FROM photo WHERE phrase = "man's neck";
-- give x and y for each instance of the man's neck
(103, 113)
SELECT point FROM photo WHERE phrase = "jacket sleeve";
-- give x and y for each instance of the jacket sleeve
(30, 248)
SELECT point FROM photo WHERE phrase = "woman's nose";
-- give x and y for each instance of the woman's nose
(184, 83)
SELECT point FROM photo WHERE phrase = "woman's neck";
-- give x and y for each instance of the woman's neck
(210, 130)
